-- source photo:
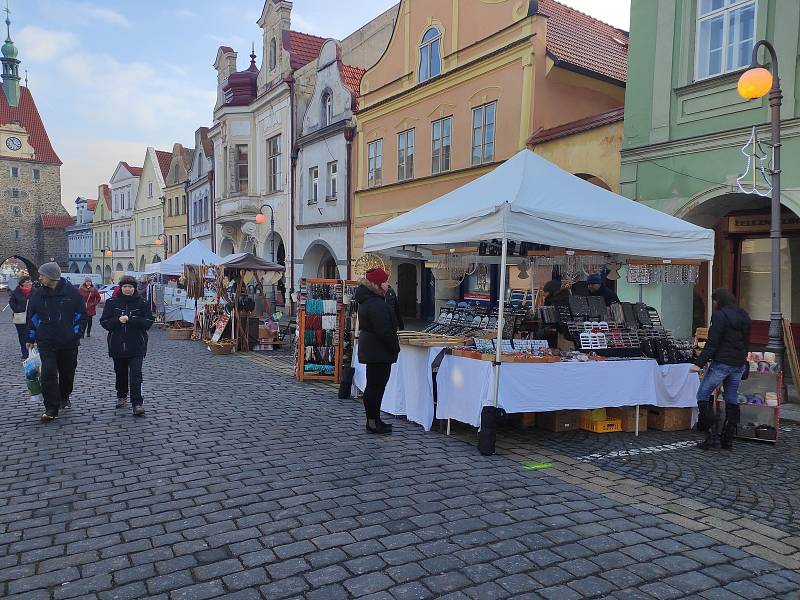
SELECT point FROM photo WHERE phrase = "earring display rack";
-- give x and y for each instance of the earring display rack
(323, 333)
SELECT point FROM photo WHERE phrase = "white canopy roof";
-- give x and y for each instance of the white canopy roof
(194, 253)
(530, 199)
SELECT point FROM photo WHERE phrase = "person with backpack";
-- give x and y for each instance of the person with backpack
(91, 296)
(127, 317)
(724, 359)
(56, 322)
(18, 301)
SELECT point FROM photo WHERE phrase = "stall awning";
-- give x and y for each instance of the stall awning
(245, 260)
(527, 198)
(194, 253)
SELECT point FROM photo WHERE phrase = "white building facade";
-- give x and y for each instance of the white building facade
(323, 164)
(124, 186)
(79, 238)
(201, 195)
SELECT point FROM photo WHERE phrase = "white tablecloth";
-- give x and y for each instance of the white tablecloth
(465, 385)
(409, 392)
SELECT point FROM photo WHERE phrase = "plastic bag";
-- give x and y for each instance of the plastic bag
(33, 369)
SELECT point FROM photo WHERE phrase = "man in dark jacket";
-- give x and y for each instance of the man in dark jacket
(394, 306)
(378, 346)
(594, 286)
(127, 317)
(56, 322)
(726, 349)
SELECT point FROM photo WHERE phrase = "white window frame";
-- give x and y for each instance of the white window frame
(405, 155)
(724, 12)
(444, 157)
(149, 189)
(274, 182)
(313, 185)
(14, 172)
(15, 193)
(242, 166)
(426, 52)
(36, 174)
(327, 109)
(484, 142)
(16, 211)
(332, 186)
(375, 163)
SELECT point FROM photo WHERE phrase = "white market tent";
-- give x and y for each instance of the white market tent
(194, 253)
(527, 198)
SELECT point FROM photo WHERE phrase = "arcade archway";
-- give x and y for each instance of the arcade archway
(16, 266)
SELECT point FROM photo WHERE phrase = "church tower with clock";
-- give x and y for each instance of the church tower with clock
(32, 218)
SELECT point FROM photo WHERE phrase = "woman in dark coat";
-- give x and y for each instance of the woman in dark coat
(18, 301)
(127, 317)
(378, 345)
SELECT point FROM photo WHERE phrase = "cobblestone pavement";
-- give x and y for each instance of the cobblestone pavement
(242, 483)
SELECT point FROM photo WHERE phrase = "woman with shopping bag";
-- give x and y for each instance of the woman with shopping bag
(19, 305)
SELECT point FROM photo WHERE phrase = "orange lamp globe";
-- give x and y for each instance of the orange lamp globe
(755, 83)
(158, 242)
(261, 219)
(108, 253)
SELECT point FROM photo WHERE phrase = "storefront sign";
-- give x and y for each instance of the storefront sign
(759, 223)
(477, 297)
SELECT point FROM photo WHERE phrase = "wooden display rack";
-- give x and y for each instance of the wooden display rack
(338, 346)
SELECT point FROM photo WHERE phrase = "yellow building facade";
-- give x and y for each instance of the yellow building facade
(176, 224)
(102, 244)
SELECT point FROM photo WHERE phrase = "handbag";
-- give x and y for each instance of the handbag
(21, 318)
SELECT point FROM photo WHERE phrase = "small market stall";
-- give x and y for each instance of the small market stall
(541, 212)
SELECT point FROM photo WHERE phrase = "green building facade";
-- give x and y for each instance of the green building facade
(685, 126)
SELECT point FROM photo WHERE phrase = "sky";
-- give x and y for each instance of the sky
(111, 77)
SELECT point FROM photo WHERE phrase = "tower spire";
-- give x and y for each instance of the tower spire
(10, 65)
(8, 22)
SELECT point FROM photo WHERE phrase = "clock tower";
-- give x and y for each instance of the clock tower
(32, 218)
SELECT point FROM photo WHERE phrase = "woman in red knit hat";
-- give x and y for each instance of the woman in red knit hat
(378, 345)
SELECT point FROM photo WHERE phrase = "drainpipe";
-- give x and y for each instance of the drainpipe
(293, 158)
(186, 193)
(349, 134)
(213, 204)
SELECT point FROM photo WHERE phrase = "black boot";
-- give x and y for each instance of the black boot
(705, 416)
(711, 426)
(375, 426)
(732, 412)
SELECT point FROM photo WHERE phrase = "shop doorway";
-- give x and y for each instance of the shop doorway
(407, 289)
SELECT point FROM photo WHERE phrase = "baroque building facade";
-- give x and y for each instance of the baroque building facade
(200, 195)
(176, 228)
(102, 250)
(79, 236)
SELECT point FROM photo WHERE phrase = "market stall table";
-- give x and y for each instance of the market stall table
(465, 386)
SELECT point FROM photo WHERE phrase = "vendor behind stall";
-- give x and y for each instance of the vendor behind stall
(594, 286)
(554, 295)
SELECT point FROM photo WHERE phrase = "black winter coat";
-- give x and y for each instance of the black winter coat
(17, 300)
(56, 317)
(728, 338)
(127, 340)
(377, 338)
(394, 306)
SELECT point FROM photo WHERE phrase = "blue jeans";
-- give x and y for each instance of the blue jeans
(718, 373)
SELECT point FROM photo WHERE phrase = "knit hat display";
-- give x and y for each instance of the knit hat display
(376, 276)
(50, 270)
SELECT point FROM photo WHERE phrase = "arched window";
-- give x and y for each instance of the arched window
(273, 51)
(327, 110)
(430, 56)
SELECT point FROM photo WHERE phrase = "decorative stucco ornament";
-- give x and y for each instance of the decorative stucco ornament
(755, 152)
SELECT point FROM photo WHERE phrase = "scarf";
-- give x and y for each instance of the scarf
(26, 292)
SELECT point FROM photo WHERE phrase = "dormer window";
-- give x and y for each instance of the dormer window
(430, 59)
(327, 104)
(273, 51)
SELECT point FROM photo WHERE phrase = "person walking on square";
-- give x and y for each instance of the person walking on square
(18, 301)
(127, 317)
(726, 350)
(378, 345)
(56, 321)
(91, 296)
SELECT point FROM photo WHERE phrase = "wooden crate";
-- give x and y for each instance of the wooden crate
(527, 420)
(669, 419)
(558, 420)
(627, 414)
(605, 426)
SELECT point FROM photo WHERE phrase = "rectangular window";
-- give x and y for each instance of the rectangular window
(16, 234)
(184, 240)
(332, 186)
(15, 171)
(274, 164)
(160, 226)
(313, 185)
(15, 192)
(483, 133)
(16, 211)
(128, 236)
(440, 145)
(149, 189)
(241, 168)
(169, 207)
(405, 155)
(128, 194)
(37, 174)
(183, 204)
(375, 163)
(725, 36)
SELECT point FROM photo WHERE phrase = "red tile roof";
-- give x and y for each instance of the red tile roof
(208, 147)
(91, 204)
(107, 195)
(579, 126)
(226, 49)
(302, 47)
(164, 158)
(27, 115)
(57, 221)
(352, 77)
(135, 171)
(585, 43)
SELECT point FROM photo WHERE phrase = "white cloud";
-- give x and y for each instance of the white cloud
(301, 23)
(234, 41)
(44, 44)
(105, 15)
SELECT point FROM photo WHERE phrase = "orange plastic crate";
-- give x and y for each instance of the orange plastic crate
(607, 426)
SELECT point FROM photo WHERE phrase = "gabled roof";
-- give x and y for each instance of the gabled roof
(107, 195)
(135, 171)
(27, 115)
(302, 47)
(351, 76)
(208, 147)
(579, 126)
(226, 49)
(57, 221)
(585, 43)
(91, 204)
(164, 159)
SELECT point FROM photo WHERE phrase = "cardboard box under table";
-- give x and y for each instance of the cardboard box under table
(669, 419)
(627, 414)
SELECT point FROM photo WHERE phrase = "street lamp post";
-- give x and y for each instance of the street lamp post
(757, 82)
(106, 252)
(261, 218)
(161, 240)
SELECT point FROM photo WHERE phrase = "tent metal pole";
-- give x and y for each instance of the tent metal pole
(501, 303)
(709, 291)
